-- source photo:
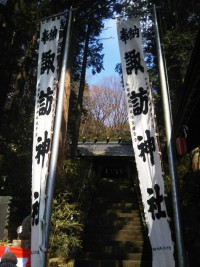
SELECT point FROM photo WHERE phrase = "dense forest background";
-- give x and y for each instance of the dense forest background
(83, 112)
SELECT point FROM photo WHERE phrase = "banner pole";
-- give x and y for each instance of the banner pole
(55, 145)
(170, 147)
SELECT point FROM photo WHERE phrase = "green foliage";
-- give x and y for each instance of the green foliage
(178, 48)
(183, 167)
(70, 206)
(66, 227)
(77, 177)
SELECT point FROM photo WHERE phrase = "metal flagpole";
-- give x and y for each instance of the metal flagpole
(170, 147)
(55, 145)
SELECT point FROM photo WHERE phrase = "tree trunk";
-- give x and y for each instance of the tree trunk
(79, 105)
(63, 132)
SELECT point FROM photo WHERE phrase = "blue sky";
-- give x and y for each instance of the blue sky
(111, 53)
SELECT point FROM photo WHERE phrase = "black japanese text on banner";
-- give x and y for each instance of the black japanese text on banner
(43, 127)
(141, 120)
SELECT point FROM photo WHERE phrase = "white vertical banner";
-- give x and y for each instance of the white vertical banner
(45, 105)
(142, 126)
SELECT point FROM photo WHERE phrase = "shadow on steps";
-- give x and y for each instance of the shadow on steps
(114, 234)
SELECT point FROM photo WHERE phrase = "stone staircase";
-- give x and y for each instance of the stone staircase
(114, 236)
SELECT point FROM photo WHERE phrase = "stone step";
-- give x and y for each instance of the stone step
(114, 231)
(113, 236)
(114, 256)
(117, 223)
(112, 246)
(121, 206)
(114, 212)
(114, 184)
(112, 263)
(114, 200)
(121, 181)
(108, 211)
(105, 190)
(113, 228)
(118, 212)
(114, 220)
(122, 236)
(116, 189)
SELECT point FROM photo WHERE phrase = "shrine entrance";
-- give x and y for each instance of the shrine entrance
(111, 159)
(114, 233)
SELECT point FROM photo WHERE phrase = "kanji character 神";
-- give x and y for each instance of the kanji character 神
(42, 148)
(147, 147)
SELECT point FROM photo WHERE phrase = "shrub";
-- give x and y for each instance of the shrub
(70, 206)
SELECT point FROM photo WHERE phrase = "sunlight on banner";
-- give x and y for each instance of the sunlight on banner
(43, 128)
(142, 126)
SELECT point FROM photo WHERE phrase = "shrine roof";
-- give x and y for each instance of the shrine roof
(123, 149)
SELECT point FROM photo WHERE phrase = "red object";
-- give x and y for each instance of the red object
(181, 146)
(23, 255)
